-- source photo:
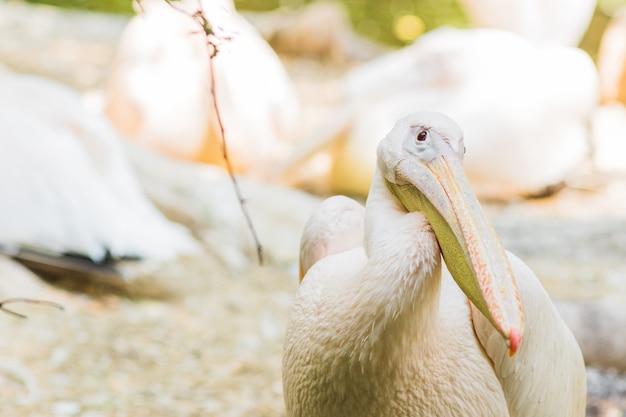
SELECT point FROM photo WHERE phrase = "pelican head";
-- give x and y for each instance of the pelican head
(421, 161)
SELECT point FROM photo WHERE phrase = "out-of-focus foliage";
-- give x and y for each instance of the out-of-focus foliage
(600, 19)
(376, 19)
(111, 6)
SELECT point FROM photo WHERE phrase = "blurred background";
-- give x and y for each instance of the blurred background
(395, 22)
(115, 202)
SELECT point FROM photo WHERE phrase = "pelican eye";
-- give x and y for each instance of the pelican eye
(422, 136)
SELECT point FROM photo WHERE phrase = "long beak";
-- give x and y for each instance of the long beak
(471, 249)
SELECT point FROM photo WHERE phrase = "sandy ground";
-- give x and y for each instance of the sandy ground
(212, 349)
(210, 343)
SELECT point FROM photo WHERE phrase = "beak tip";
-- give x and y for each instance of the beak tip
(515, 338)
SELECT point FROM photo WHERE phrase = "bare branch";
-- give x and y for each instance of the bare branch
(214, 40)
(259, 248)
(26, 300)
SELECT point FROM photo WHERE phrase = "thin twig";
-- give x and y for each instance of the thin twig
(229, 168)
(213, 40)
(26, 300)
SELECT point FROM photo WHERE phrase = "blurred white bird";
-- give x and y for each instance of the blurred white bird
(612, 59)
(542, 22)
(159, 90)
(65, 184)
(524, 109)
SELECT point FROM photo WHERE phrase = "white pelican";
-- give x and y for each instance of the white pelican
(612, 59)
(159, 89)
(609, 120)
(543, 98)
(66, 185)
(542, 22)
(383, 329)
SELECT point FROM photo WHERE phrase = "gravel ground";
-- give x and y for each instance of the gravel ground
(212, 349)
(207, 342)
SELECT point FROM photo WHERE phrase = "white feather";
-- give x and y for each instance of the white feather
(65, 183)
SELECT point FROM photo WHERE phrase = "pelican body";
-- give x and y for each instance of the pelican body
(66, 185)
(427, 314)
(542, 22)
(159, 92)
(541, 98)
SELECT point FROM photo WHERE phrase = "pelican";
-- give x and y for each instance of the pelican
(66, 186)
(159, 91)
(383, 327)
(609, 119)
(612, 59)
(542, 22)
(543, 99)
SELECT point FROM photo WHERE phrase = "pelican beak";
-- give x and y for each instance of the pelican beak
(470, 247)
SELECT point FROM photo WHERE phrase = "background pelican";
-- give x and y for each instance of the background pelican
(159, 88)
(609, 120)
(542, 22)
(612, 59)
(65, 183)
(384, 330)
(543, 98)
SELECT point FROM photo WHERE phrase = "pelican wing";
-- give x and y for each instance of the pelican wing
(336, 226)
(549, 360)
(65, 183)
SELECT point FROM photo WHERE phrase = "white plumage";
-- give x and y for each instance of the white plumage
(381, 328)
(65, 183)
(542, 22)
(524, 109)
(159, 92)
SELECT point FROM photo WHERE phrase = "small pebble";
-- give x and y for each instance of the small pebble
(66, 408)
